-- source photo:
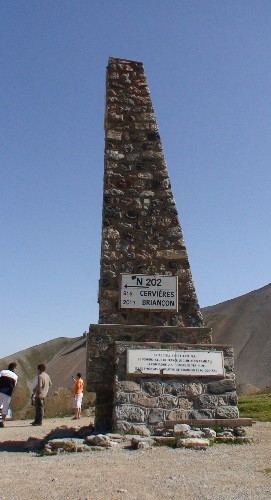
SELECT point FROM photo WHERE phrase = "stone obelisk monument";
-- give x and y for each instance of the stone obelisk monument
(150, 360)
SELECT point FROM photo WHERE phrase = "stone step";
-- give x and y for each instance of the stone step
(212, 422)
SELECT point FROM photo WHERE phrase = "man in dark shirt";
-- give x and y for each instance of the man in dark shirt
(8, 380)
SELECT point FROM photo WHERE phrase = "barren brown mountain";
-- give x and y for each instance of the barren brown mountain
(244, 322)
(63, 357)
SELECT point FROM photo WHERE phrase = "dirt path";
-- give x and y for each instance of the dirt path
(222, 472)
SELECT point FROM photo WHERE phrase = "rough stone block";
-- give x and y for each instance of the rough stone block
(121, 398)
(185, 404)
(221, 386)
(209, 433)
(167, 401)
(181, 430)
(129, 413)
(128, 386)
(205, 401)
(229, 364)
(194, 389)
(196, 443)
(141, 430)
(122, 426)
(110, 233)
(228, 399)
(68, 445)
(142, 399)
(114, 134)
(174, 388)
(102, 440)
(195, 433)
(178, 415)
(146, 117)
(114, 117)
(227, 412)
(156, 416)
(203, 413)
(164, 440)
(153, 388)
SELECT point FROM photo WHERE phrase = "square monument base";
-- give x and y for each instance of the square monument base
(147, 397)
(152, 403)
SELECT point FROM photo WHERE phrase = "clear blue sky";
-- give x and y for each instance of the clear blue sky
(208, 65)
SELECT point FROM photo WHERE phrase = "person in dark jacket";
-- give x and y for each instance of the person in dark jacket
(8, 380)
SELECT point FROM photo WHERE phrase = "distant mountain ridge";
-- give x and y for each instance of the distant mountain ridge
(243, 322)
(63, 358)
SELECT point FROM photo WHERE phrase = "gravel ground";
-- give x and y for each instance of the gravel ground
(221, 472)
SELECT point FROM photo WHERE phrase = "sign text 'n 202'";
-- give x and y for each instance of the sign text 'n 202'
(154, 292)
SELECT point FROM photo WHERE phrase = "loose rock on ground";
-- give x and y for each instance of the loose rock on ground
(223, 471)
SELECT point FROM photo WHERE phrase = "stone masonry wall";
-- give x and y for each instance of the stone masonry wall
(152, 401)
(141, 232)
(101, 366)
(101, 341)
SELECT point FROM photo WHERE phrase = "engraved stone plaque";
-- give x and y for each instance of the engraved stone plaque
(155, 292)
(197, 363)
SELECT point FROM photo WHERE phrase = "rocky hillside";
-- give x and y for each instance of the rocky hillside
(63, 357)
(245, 323)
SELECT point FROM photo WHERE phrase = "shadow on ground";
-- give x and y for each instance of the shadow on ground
(35, 443)
(13, 446)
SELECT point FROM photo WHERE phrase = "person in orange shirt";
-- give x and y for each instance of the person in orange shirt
(78, 395)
